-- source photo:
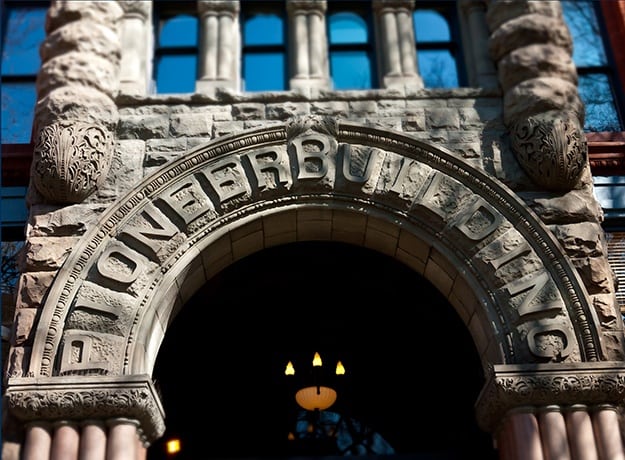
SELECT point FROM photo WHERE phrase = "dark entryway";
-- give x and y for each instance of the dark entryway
(414, 372)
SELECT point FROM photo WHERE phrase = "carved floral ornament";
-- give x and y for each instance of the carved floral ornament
(535, 387)
(551, 148)
(71, 159)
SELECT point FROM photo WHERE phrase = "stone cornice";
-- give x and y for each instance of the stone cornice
(537, 385)
(52, 399)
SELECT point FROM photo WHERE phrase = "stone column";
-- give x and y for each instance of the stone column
(136, 47)
(553, 433)
(608, 437)
(534, 411)
(525, 434)
(220, 45)
(480, 67)
(532, 48)
(38, 441)
(75, 115)
(581, 437)
(395, 35)
(119, 416)
(65, 442)
(308, 46)
(122, 439)
(92, 440)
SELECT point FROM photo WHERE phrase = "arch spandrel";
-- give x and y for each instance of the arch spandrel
(110, 304)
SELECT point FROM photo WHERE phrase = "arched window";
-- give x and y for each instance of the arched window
(175, 66)
(351, 50)
(437, 46)
(264, 47)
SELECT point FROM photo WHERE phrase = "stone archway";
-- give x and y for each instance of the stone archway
(309, 179)
(341, 298)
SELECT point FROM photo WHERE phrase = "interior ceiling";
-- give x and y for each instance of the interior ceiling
(413, 371)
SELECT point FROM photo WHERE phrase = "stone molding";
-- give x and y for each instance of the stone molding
(71, 159)
(551, 148)
(510, 387)
(77, 399)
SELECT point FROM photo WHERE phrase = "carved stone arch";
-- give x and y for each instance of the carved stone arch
(313, 178)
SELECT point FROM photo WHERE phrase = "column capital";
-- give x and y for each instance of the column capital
(307, 6)
(512, 386)
(88, 398)
(218, 6)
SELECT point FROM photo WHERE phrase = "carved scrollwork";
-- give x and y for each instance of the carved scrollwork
(101, 398)
(514, 386)
(71, 160)
(551, 148)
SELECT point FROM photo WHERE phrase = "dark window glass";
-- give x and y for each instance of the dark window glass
(23, 32)
(176, 54)
(351, 50)
(595, 71)
(437, 46)
(264, 47)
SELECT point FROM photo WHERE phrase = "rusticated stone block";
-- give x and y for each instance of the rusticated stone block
(41, 253)
(23, 327)
(32, 288)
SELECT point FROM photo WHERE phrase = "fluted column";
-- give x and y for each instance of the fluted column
(136, 47)
(308, 55)
(395, 33)
(38, 441)
(75, 115)
(218, 63)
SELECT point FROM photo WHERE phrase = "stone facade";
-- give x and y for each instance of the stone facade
(136, 200)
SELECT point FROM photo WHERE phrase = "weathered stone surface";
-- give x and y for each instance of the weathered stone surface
(527, 30)
(87, 37)
(539, 95)
(32, 288)
(75, 102)
(607, 309)
(575, 206)
(533, 61)
(17, 363)
(500, 11)
(61, 13)
(47, 220)
(42, 253)
(23, 329)
(77, 68)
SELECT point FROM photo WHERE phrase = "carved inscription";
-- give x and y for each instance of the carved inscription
(140, 249)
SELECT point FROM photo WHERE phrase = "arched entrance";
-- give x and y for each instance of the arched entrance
(415, 371)
(312, 179)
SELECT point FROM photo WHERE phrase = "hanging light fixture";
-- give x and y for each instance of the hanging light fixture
(316, 392)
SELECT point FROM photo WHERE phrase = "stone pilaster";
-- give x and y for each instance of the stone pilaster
(75, 115)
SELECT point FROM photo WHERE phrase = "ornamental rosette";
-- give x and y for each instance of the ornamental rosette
(71, 159)
(551, 148)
